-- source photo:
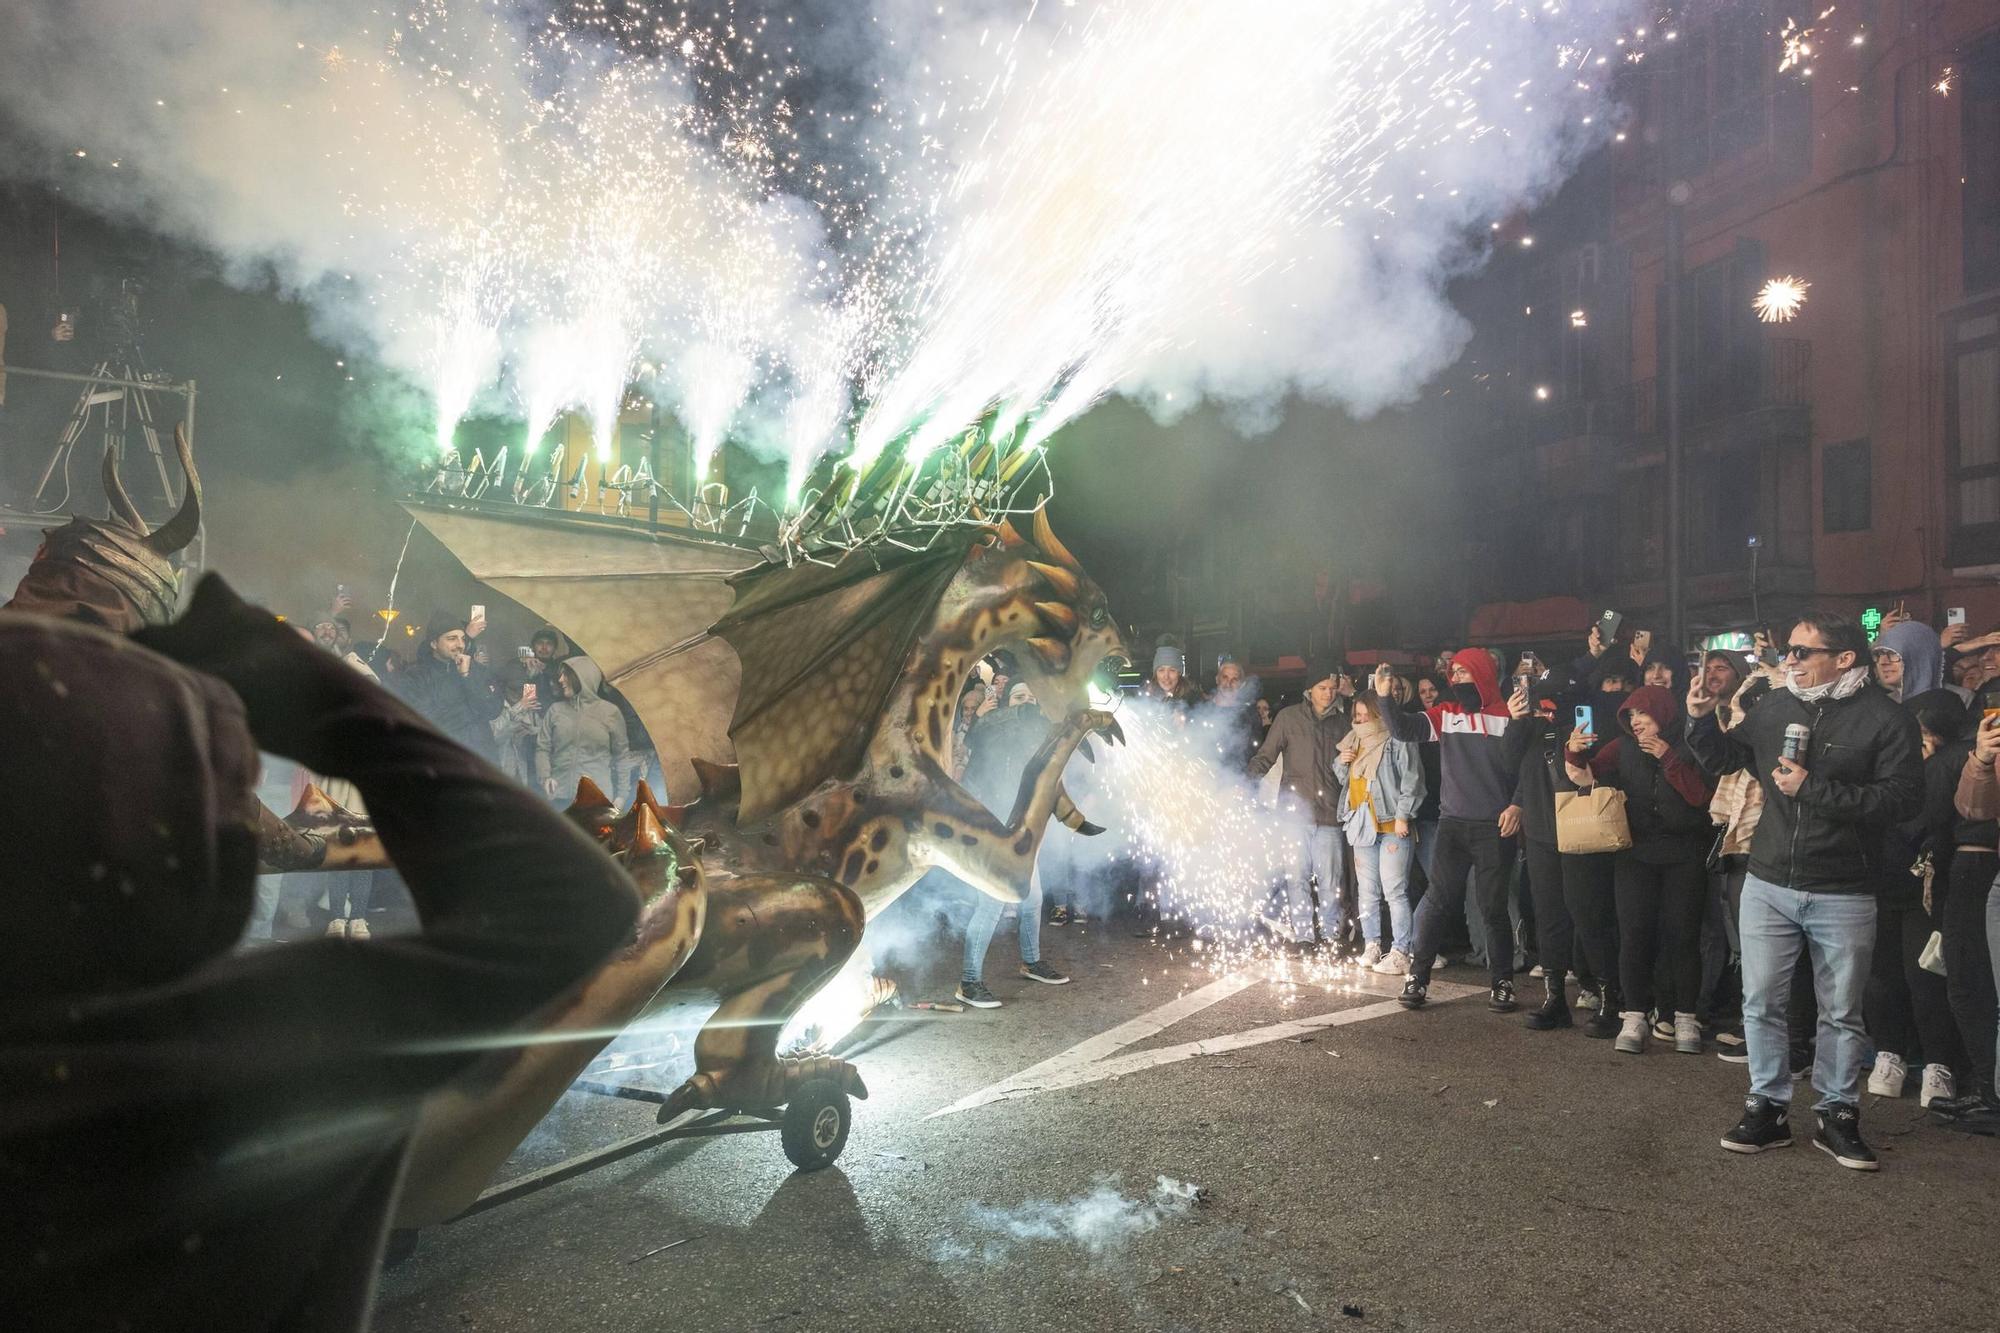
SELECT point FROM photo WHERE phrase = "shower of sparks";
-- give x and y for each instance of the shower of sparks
(836, 1008)
(1944, 81)
(991, 241)
(1212, 847)
(1779, 300)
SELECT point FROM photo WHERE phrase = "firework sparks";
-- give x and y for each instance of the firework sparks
(1779, 299)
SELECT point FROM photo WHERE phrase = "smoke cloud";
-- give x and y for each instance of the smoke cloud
(1100, 1221)
(1024, 207)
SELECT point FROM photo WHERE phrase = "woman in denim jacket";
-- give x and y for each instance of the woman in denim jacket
(1384, 782)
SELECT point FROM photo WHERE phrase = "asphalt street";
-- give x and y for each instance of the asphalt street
(1359, 1166)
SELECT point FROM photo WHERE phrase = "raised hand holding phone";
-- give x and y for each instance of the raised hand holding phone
(1986, 741)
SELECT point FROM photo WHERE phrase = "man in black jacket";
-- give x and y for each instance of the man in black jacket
(455, 693)
(1814, 867)
(1305, 736)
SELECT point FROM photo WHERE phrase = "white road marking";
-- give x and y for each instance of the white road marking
(1095, 1059)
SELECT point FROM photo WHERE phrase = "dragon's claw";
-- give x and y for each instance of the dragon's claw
(759, 1085)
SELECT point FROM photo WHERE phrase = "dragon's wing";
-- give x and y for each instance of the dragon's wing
(625, 597)
(821, 648)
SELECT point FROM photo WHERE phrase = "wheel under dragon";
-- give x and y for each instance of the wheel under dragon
(825, 797)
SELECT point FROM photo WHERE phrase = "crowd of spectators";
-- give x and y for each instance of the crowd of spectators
(1805, 885)
(543, 714)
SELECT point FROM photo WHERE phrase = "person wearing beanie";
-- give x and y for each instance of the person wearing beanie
(1170, 683)
(1307, 737)
(445, 684)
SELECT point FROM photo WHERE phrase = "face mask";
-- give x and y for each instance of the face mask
(1468, 697)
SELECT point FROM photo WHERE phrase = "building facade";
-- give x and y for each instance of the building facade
(1849, 455)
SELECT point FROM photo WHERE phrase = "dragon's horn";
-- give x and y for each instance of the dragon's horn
(1062, 580)
(589, 796)
(179, 530)
(1045, 537)
(1057, 616)
(1008, 534)
(1053, 652)
(645, 796)
(122, 508)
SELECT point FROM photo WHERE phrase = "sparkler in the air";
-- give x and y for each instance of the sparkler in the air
(1779, 299)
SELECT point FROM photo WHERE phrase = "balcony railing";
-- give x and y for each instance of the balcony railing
(1777, 374)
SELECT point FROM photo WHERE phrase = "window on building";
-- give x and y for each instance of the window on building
(1972, 419)
(1981, 194)
(1642, 511)
(1847, 487)
(1724, 492)
(1722, 346)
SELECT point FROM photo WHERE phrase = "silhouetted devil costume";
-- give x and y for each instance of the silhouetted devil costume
(190, 1139)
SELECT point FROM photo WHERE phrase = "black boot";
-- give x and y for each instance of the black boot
(1604, 1024)
(1554, 1011)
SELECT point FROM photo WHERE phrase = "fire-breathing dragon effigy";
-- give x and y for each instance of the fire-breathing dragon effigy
(845, 676)
(808, 707)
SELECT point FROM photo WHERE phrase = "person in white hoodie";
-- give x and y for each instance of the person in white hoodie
(582, 736)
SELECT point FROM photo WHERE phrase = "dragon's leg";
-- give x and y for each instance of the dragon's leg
(771, 942)
(995, 858)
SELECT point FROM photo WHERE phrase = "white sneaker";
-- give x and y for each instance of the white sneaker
(1371, 955)
(1537, 971)
(336, 929)
(1632, 1036)
(357, 928)
(1938, 1085)
(1395, 963)
(1440, 961)
(1887, 1080)
(1687, 1034)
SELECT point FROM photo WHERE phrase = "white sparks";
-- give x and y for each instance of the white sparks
(1779, 300)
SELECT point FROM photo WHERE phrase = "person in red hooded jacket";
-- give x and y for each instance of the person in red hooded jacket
(1662, 878)
(1479, 756)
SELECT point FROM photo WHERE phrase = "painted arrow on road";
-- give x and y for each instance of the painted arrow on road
(1097, 1058)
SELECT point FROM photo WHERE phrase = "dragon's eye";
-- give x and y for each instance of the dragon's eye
(1099, 617)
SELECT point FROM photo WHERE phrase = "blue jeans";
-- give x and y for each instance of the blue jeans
(1382, 871)
(1838, 931)
(1318, 859)
(1427, 845)
(986, 919)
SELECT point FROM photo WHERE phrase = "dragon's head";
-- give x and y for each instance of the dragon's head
(1054, 618)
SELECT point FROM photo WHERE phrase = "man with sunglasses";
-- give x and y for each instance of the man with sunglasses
(1813, 867)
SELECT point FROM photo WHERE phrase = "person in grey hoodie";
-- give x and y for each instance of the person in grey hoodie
(1909, 660)
(582, 736)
